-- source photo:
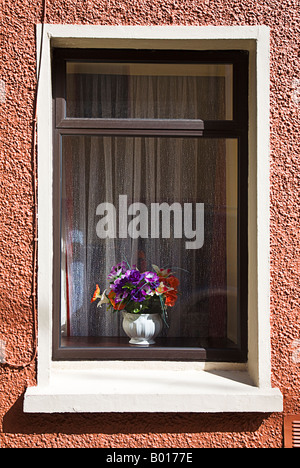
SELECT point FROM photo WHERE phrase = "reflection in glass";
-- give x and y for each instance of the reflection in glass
(150, 170)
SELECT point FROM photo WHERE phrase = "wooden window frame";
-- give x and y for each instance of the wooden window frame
(235, 128)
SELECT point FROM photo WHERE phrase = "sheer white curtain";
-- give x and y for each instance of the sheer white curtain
(98, 169)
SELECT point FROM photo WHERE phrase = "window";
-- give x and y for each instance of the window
(98, 385)
(150, 168)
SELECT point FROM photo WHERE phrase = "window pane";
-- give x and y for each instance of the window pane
(111, 189)
(149, 90)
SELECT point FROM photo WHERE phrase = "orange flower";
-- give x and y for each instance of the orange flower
(171, 298)
(171, 294)
(173, 282)
(111, 297)
(96, 294)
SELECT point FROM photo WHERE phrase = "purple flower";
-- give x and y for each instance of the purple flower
(138, 295)
(133, 276)
(117, 270)
(149, 289)
(121, 296)
(130, 284)
(118, 285)
(151, 278)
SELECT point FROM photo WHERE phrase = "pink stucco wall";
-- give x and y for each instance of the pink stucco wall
(17, 72)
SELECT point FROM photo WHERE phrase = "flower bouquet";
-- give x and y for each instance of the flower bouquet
(139, 293)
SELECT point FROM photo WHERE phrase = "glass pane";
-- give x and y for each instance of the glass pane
(151, 200)
(147, 91)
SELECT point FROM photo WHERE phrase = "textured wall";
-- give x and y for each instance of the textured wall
(17, 85)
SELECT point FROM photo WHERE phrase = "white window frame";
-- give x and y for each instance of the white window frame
(160, 386)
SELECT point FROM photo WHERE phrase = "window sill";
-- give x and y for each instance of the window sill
(165, 349)
(107, 390)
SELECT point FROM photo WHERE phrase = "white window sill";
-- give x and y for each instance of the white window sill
(134, 390)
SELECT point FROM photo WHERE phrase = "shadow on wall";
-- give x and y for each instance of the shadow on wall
(16, 421)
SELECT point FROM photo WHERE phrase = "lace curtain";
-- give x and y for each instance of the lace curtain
(122, 171)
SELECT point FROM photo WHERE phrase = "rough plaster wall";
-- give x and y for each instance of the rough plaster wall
(17, 75)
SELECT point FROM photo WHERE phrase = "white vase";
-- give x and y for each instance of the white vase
(142, 329)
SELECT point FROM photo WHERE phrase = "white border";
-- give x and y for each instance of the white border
(206, 387)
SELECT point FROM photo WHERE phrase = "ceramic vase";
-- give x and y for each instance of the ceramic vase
(142, 329)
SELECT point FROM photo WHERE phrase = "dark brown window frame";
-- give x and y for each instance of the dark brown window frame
(110, 349)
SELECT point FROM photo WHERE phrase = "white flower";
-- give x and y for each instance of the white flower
(103, 299)
(162, 272)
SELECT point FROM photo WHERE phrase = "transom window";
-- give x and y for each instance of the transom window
(151, 168)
